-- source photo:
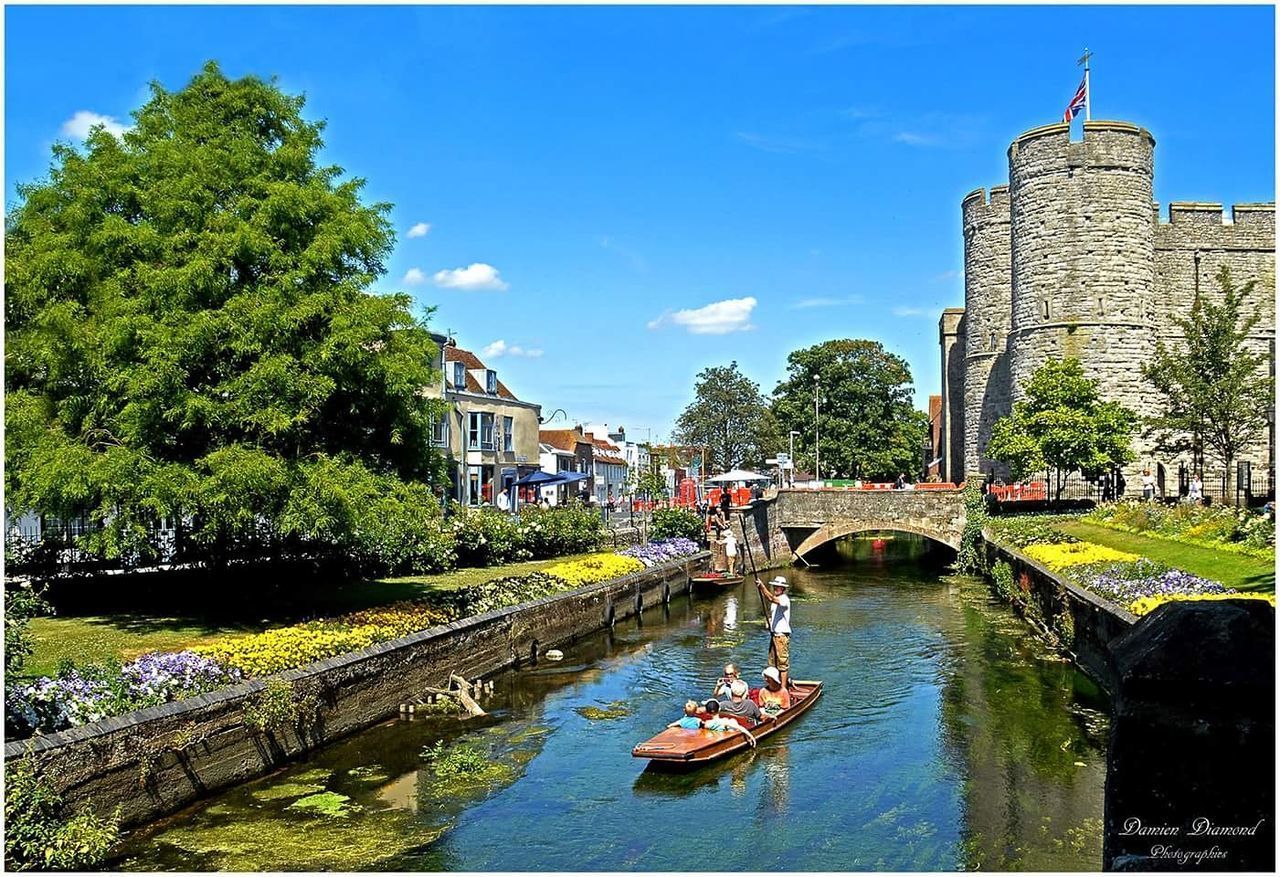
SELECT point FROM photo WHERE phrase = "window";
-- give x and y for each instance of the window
(479, 485)
(440, 430)
(490, 381)
(1044, 308)
(993, 341)
(508, 434)
(459, 376)
(479, 431)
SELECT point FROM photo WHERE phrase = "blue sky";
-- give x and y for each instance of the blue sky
(594, 178)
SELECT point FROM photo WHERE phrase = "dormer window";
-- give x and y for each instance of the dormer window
(459, 376)
(490, 381)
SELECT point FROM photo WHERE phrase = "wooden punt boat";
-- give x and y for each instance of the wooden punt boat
(684, 747)
(714, 581)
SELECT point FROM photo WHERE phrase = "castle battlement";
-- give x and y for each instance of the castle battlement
(1072, 258)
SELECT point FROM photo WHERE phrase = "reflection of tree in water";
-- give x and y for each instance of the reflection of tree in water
(1032, 777)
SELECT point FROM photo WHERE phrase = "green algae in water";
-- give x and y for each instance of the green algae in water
(375, 774)
(316, 775)
(616, 710)
(282, 791)
(325, 804)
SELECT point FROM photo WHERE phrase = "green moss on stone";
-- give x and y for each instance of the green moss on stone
(615, 710)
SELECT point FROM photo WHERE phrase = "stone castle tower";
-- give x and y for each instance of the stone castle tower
(1072, 259)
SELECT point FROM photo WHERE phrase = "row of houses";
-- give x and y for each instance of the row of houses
(492, 439)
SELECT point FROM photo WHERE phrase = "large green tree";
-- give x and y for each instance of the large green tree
(867, 425)
(1062, 424)
(730, 418)
(189, 331)
(1216, 392)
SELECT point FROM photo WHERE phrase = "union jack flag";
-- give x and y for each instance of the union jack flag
(1077, 103)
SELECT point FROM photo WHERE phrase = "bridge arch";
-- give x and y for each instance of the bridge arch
(839, 529)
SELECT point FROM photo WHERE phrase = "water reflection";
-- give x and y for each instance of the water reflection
(947, 738)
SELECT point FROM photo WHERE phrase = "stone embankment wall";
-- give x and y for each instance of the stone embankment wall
(1192, 744)
(154, 761)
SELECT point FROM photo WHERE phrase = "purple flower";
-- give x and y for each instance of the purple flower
(661, 550)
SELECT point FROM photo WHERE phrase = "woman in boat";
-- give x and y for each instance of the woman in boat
(773, 697)
(725, 683)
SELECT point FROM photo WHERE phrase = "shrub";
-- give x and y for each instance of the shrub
(971, 557)
(499, 594)
(485, 536)
(670, 523)
(37, 838)
(278, 706)
(21, 604)
(1002, 582)
(460, 759)
(594, 568)
(1145, 605)
(1060, 555)
(1020, 532)
(569, 529)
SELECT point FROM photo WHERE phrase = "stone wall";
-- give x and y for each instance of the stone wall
(1091, 273)
(155, 761)
(811, 518)
(988, 304)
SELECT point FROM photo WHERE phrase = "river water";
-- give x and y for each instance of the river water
(948, 737)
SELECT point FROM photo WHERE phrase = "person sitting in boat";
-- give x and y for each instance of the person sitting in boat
(739, 706)
(724, 685)
(690, 719)
(773, 697)
(713, 722)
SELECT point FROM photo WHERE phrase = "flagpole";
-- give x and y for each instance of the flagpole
(1087, 96)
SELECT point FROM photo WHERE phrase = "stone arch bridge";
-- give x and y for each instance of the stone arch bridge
(799, 521)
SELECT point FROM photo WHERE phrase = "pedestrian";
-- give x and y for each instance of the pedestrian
(1195, 493)
(504, 501)
(901, 482)
(779, 622)
(1148, 486)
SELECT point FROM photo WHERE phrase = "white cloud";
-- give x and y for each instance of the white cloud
(908, 312)
(911, 138)
(477, 275)
(78, 125)
(822, 302)
(419, 230)
(413, 277)
(502, 348)
(717, 318)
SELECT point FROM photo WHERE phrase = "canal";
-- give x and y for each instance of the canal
(948, 737)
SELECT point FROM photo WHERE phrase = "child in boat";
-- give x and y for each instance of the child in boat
(690, 720)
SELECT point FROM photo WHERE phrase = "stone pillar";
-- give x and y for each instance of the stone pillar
(1191, 762)
(951, 339)
(988, 305)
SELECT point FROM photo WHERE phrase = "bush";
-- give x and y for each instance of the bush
(570, 529)
(1019, 532)
(486, 536)
(1002, 582)
(37, 838)
(671, 523)
(21, 604)
(971, 557)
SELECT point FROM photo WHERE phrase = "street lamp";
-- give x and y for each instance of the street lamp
(791, 457)
(816, 470)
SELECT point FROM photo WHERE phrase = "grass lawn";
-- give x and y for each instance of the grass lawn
(1239, 571)
(125, 635)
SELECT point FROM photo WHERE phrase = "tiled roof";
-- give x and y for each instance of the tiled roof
(564, 439)
(470, 361)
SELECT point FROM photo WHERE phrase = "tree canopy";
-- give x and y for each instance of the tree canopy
(730, 418)
(867, 425)
(1215, 391)
(1062, 424)
(189, 330)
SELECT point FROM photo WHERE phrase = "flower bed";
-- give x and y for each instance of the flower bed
(96, 691)
(1060, 555)
(1219, 527)
(1147, 604)
(1021, 531)
(662, 550)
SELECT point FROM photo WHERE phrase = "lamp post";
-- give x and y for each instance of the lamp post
(816, 470)
(791, 457)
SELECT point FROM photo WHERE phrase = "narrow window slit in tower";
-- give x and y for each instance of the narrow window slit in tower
(1044, 308)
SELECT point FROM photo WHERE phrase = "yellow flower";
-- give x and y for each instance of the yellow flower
(1143, 605)
(594, 568)
(1059, 555)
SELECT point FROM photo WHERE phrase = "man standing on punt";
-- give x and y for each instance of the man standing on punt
(779, 621)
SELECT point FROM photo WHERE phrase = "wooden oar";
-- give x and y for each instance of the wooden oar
(751, 555)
